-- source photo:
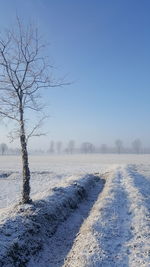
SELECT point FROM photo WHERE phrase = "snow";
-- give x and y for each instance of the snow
(46, 172)
(28, 227)
(108, 227)
(117, 229)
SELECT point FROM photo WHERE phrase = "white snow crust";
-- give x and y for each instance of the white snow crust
(117, 230)
(92, 227)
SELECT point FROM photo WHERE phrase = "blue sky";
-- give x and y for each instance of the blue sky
(104, 47)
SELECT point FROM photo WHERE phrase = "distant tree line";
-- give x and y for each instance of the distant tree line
(5, 150)
(88, 147)
(58, 147)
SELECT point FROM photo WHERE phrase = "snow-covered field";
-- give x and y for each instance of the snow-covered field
(109, 228)
(48, 171)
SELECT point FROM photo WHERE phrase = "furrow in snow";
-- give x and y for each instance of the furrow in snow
(103, 236)
(139, 245)
(27, 227)
(57, 247)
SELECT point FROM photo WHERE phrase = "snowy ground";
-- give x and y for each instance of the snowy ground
(48, 171)
(118, 228)
(109, 228)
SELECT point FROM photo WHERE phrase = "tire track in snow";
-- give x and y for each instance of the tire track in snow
(58, 246)
(142, 183)
(116, 232)
(139, 245)
(103, 237)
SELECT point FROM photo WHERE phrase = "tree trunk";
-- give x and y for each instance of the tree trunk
(25, 171)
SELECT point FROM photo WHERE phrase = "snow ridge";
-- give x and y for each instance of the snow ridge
(138, 190)
(25, 232)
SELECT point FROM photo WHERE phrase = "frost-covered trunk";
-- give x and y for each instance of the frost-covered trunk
(24, 72)
(25, 167)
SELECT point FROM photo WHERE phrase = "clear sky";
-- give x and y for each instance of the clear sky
(104, 47)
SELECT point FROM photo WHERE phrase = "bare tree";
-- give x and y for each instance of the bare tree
(51, 148)
(23, 73)
(137, 145)
(87, 147)
(3, 148)
(119, 146)
(59, 147)
(71, 146)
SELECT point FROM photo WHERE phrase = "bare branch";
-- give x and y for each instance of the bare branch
(35, 128)
(24, 72)
(7, 115)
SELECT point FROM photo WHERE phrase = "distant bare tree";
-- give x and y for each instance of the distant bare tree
(119, 145)
(51, 149)
(24, 72)
(71, 146)
(3, 148)
(59, 147)
(87, 147)
(137, 145)
(103, 148)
